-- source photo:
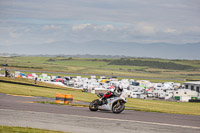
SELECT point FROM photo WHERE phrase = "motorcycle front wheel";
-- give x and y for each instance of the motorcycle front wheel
(118, 107)
(94, 105)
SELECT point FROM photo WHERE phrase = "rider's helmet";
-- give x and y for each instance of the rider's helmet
(120, 88)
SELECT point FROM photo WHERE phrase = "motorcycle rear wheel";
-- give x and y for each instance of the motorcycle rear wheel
(118, 107)
(94, 105)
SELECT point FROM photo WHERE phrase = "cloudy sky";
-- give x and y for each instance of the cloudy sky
(33, 22)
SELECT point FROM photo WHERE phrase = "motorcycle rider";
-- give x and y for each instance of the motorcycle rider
(113, 91)
(119, 90)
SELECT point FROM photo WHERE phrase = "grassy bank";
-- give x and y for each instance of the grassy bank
(10, 129)
(46, 90)
(41, 89)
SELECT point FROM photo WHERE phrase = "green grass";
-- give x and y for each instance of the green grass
(165, 106)
(41, 89)
(12, 129)
(46, 90)
(101, 66)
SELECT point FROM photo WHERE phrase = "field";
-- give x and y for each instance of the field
(27, 87)
(156, 70)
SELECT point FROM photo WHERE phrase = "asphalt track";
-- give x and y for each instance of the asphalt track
(22, 111)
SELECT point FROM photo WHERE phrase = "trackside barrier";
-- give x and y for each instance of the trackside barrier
(64, 98)
(194, 100)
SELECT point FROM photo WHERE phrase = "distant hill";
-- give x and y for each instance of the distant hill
(153, 50)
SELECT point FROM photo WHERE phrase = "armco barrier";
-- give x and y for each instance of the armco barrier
(64, 98)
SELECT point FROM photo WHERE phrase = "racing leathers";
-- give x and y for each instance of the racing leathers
(109, 94)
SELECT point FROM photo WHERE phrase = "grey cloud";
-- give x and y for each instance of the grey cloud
(28, 21)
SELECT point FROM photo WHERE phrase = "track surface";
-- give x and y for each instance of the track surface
(21, 111)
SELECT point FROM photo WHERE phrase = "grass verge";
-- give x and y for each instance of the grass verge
(11, 129)
(16, 87)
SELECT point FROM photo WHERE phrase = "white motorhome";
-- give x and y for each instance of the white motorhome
(184, 94)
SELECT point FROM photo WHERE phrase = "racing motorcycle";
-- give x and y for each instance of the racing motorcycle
(116, 104)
